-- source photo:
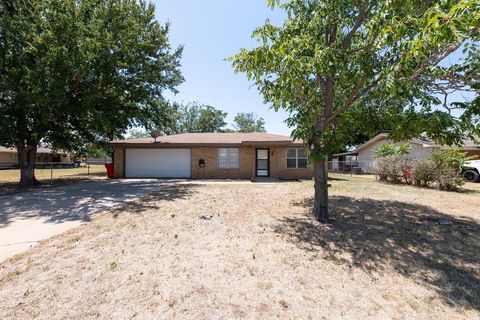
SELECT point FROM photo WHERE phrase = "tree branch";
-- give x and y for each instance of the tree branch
(362, 15)
(431, 61)
(356, 94)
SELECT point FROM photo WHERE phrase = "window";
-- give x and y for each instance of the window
(296, 158)
(228, 158)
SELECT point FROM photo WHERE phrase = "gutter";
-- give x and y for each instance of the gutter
(190, 145)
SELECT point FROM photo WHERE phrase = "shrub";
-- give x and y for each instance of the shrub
(451, 158)
(388, 149)
(407, 172)
(391, 164)
(385, 150)
(448, 179)
(423, 170)
(403, 149)
(442, 168)
(449, 164)
(390, 168)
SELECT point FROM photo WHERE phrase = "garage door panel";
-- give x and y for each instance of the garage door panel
(157, 163)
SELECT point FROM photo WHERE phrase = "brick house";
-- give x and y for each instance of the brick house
(8, 156)
(212, 156)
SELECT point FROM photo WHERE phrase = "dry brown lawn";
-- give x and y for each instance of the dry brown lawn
(252, 251)
(9, 177)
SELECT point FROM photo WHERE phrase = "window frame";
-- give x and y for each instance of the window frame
(229, 160)
(296, 158)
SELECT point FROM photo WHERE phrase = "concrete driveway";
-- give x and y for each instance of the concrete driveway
(28, 217)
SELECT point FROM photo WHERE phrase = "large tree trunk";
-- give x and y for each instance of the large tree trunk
(26, 162)
(320, 167)
(320, 208)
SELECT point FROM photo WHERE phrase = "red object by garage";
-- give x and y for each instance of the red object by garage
(109, 167)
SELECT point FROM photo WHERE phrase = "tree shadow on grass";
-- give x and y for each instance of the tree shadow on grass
(439, 250)
(9, 188)
(336, 179)
(470, 188)
(84, 201)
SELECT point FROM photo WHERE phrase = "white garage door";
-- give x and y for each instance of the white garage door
(157, 163)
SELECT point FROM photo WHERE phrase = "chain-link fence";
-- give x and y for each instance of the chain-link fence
(350, 166)
(84, 169)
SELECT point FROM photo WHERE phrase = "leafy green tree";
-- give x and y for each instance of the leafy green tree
(137, 133)
(470, 72)
(93, 150)
(164, 119)
(329, 59)
(196, 117)
(77, 71)
(388, 149)
(249, 122)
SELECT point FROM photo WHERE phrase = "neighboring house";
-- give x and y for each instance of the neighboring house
(364, 155)
(212, 155)
(8, 156)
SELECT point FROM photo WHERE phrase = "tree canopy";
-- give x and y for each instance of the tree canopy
(76, 71)
(196, 117)
(335, 64)
(249, 122)
(138, 133)
(92, 150)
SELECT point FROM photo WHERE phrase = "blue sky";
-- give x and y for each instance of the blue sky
(210, 31)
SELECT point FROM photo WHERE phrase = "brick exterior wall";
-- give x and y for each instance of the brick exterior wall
(8, 157)
(11, 158)
(290, 173)
(118, 162)
(211, 169)
(246, 170)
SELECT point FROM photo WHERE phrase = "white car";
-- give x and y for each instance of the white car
(471, 171)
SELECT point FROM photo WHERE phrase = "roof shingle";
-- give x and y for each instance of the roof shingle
(213, 138)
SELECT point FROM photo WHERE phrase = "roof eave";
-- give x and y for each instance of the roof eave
(285, 142)
(378, 137)
(351, 153)
(189, 145)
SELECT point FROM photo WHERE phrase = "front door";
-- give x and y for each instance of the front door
(262, 163)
